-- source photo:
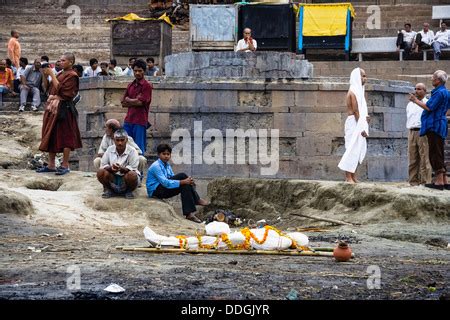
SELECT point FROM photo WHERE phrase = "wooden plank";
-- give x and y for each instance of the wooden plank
(136, 49)
(212, 45)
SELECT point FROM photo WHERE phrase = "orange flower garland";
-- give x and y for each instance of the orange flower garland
(245, 245)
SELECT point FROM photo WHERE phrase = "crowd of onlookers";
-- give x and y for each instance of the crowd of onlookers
(18, 76)
(409, 40)
(112, 69)
(28, 77)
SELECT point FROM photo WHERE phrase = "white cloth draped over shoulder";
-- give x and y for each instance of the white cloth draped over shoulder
(355, 143)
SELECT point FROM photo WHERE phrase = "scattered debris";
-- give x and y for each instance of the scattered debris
(292, 295)
(114, 288)
(437, 242)
(226, 216)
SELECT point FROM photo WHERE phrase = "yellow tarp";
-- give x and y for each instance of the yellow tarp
(325, 19)
(135, 17)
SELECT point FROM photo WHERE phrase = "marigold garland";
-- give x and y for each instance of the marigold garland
(183, 241)
(245, 245)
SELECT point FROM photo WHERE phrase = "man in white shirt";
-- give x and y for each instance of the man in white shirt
(23, 62)
(93, 70)
(405, 40)
(111, 126)
(247, 44)
(118, 171)
(419, 168)
(129, 70)
(424, 38)
(114, 69)
(440, 41)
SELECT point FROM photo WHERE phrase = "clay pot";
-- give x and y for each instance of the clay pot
(220, 217)
(342, 252)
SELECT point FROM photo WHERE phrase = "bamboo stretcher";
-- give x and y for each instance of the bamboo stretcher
(318, 252)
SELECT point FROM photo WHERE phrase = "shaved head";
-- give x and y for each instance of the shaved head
(421, 85)
(363, 76)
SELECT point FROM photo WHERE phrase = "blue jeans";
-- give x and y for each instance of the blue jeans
(437, 46)
(138, 133)
(3, 90)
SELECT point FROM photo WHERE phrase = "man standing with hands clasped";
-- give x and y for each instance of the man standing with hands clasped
(419, 168)
(248, 44)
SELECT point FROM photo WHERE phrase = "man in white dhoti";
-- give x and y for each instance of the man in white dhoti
(356, 126)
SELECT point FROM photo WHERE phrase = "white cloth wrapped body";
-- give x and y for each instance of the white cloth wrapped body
(273, 241)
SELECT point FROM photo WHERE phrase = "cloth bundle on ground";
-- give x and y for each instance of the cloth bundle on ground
(219, 236)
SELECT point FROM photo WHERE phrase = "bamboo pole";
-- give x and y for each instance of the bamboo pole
(339, 222)
(319, 253)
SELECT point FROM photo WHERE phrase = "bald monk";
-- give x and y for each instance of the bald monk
(356, 126)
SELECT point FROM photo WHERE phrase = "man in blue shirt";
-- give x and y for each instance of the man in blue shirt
(434, 126)
(162, 183)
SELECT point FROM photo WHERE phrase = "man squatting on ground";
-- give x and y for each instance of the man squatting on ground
(111, 126)
(356, 126)
(119, 168)
(162, 183)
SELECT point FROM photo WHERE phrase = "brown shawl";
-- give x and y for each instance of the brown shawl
(66, 90)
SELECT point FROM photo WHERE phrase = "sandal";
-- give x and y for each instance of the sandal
(45, 169)
(61, 171)
(107, 194)
(434, 186)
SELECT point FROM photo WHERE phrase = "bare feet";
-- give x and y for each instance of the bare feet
(202, 202)
(349, 177)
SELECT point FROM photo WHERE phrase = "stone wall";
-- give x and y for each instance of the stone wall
(309, 115)
(43, 24)
(238, 65)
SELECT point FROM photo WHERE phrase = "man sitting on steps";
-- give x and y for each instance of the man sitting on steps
(31, 80)
(424, 38)
(405, 39)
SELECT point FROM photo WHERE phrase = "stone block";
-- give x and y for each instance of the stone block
(220, 99)
(163, 99)
(92, 99)
(305, 98)
(323, 123)
(289, 122)
(254, 99)
(401, 100)
(314, 146)
(387, 168)
(281, 99)
(161, 123)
